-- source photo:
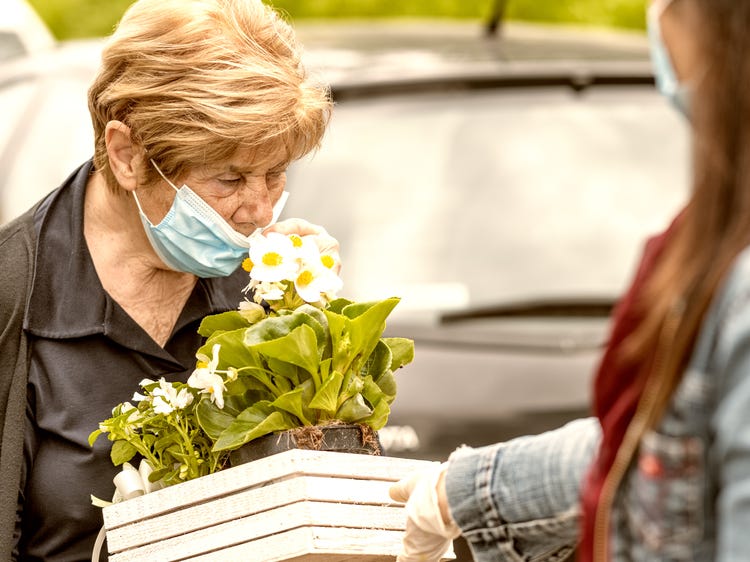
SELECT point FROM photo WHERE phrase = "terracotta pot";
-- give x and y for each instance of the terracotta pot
(343, 438)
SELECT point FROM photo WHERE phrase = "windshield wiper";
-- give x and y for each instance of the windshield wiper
(546, 308)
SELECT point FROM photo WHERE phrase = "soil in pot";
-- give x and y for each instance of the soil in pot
(343, 438)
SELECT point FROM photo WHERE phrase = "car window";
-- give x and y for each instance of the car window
(10, 46)
(474, 197)
(44, 139)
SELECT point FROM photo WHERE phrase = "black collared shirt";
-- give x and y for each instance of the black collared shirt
(87, 355)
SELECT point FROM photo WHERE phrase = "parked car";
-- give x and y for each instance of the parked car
(22, 31)
(501, 187)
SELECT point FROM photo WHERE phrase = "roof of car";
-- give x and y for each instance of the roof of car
(390, 52)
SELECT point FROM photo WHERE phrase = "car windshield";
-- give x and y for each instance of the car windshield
(466, 198)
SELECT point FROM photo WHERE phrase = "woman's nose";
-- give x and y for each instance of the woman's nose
(255, 204)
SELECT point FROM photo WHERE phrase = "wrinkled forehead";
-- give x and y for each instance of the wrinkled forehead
(247, 160)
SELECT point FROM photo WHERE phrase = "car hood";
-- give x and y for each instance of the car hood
(538, 335)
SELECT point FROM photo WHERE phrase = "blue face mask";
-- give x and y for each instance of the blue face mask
(666, 78)
(194, 238)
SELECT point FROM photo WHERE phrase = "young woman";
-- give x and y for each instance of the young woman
(663, 470)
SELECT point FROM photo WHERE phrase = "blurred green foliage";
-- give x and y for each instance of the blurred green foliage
(89, 18)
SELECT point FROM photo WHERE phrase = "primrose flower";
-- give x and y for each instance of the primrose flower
(315, 282)
(273, 258)
(207, 380)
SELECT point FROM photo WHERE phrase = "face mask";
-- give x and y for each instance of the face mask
(194, 238)
(666, 78)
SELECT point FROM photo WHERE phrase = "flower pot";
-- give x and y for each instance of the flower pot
(343, 438)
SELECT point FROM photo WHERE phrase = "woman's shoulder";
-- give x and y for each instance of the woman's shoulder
(17, 242)
(734, 294)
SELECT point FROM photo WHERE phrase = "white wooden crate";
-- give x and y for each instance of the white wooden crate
(297, 505)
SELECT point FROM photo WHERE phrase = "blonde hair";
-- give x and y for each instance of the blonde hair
(196, 80)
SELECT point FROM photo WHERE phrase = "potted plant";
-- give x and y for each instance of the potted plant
(293, 361)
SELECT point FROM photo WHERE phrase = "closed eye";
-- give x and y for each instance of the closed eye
(231, 181)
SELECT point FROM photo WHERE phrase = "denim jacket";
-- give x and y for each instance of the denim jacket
(686, 495)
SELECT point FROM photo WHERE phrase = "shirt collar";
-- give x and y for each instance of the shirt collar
(67, 299)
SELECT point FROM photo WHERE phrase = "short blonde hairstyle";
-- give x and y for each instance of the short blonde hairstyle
(196, 80)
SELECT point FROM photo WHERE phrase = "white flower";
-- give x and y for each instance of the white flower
(207, 380)
(273, 258)
(316, 279)
(168, 399)
(161, 406)
(183, 399)
(268, 290)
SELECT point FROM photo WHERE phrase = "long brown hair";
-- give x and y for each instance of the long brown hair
(715, 226)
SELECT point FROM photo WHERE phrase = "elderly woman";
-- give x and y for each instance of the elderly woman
(198, 108)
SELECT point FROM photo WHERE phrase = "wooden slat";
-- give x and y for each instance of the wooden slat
(250, 502)
(284, 465)
(316, 544)
(265, 524)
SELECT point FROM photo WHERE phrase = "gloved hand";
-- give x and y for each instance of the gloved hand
(428, 533)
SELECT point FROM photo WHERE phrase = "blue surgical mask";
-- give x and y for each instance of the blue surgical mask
(194, 238)
(666, 79)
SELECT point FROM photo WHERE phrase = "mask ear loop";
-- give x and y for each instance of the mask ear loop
(162, 175)
(138, 203)
(659, 6)
(655, 11)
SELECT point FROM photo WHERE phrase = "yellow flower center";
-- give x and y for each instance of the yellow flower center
(272, 259)
(305, 278)
(247, 265)
(327, 261)
(296, 240)
(201, 365)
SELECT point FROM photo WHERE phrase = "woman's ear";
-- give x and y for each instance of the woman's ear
(124, 155)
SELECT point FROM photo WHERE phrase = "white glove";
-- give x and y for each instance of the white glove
(428, 536)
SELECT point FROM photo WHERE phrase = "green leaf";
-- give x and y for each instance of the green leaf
(256, 421)
(157, 475)
(341, 347)
(223, 322)
(354, 409)
(371, 391)
(379, 416)
(402, 350)
(122, 451)
(294, 403)
(352, 385)
(387, 383)
(337, 305)
(356, 332)
(315, 313)
(233, 352)
(165, 441)
(299, 347)
(212, 420)
(287, 370)
(93, 436)
(245, 391)
(276, 327)
(327, 397)
(378, 362)
(324, 338)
